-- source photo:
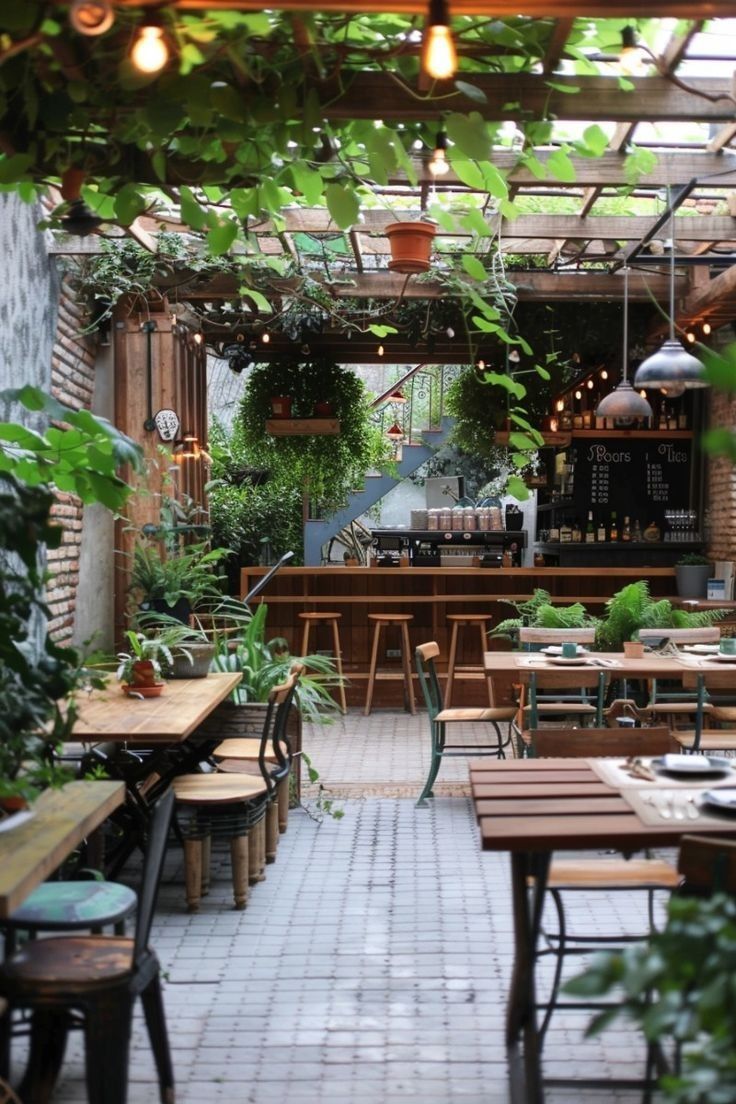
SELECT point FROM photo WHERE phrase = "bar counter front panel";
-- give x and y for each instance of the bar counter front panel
(429, 594)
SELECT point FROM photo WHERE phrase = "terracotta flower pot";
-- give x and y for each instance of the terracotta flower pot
(281, 406)
(411, 245)
(143, 673)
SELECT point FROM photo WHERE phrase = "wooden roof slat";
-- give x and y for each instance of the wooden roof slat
(676, 9)
(556, 45)
(370, 95)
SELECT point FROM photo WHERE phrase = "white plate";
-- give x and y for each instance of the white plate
(723, 658)
(569, 661)
(724, 800)
(556, 650)
(701, 649)
(693, 764)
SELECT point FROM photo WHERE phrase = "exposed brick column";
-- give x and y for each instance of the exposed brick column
(73, 383)
(722, 484)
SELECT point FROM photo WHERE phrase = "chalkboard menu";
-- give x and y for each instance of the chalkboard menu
(636, 479)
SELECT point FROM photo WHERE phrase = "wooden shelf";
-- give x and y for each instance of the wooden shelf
(303, 427)
(634, 434)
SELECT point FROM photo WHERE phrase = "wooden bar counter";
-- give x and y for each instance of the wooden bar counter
(429, 593)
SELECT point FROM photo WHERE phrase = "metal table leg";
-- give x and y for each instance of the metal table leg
(523, 1041)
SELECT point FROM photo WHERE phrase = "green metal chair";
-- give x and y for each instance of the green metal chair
(439, 718)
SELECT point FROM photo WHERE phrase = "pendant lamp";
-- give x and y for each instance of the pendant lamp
(671, 368)
(624, 403)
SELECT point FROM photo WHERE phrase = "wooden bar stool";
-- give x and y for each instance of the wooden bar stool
(459, 621)
(316, 619)
(381, 620)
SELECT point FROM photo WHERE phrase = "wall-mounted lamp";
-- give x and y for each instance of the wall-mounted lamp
(150, 52)
(189, 448)
(91, 17)
(439, 58)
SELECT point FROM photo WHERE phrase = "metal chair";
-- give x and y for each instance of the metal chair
(590, 685)
(92, 981)
(439, 718)
(702, 739)
(672, 703)
(597, 874)
(571, 699)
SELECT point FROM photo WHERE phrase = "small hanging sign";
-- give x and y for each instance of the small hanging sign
(167, 424)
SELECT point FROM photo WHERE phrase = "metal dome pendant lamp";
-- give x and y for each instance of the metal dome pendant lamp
(624, 404)
(671, 368)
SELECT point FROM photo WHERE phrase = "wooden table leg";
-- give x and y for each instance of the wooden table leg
(523, 1043)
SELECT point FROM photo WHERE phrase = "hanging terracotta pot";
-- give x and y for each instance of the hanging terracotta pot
(281, 406)
(411, 245)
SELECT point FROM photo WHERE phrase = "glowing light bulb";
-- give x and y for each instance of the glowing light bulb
(150, 51)
(380, 350)
(690, 337)
(438, 164)
(631, 58)
(439, 59)
(265, 338)
(560, 405)
(590, 385)
(91, 17)
(481, 364)
(578, 394)
(707, 328)
(197, 339)
(604, 374)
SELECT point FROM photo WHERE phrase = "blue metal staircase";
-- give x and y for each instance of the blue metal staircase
(318, 531)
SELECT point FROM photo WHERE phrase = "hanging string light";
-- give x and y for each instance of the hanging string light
(439, 58)
(91, 17)
(150, 52)
(438, 163)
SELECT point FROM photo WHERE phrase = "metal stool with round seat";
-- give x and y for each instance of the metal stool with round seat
(458, 621)
(65, 906)
(316, 619)
(384, 621)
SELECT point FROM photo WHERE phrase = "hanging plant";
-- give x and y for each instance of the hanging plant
(327, 467)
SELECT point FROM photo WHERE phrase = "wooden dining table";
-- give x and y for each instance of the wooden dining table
(531, 808)
(33, 846)
(156, 739)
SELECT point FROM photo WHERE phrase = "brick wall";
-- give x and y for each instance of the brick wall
(72, 382)
(722, 485)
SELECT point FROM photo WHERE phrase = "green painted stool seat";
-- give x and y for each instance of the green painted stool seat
(72, 906)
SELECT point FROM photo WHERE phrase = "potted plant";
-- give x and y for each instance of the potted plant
(411, 245)
(140, 669)
(175, 583)
(692, 572)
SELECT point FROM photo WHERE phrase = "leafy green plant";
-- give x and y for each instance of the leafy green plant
(693, 559)
(539, 612)
(328, 467)
(191, 574)
(679, 988)
(632, 608)
(36, 675)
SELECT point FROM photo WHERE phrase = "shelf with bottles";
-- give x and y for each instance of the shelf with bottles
(665, 546)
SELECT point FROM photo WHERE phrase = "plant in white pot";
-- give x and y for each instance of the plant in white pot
(692, 572)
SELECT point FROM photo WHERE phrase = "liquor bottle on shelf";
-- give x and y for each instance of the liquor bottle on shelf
(554, 532)
(636, 531)
(600, 533)
(566, 416)
(590, 529)
(682, 417)
(671, 417)
(613, 531)
(626, 531)
(565, 532)
(662, 420)
(577, 532)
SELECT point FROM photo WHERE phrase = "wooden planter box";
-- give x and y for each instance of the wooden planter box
(303, 427)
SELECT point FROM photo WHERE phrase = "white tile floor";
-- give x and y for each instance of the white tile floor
(372, 963)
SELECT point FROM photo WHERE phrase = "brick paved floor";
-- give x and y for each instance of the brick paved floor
(372, 963)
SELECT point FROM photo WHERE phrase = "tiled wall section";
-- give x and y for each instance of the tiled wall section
(72, 382)
(722, 485)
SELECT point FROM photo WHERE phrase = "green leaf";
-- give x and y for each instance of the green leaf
(469, 133)
(519, 459)
(494, 180)
(595, 139)
(518, 390)
(343, 205)
(474, 221)
(221, 237)
(469, 173)
(307, 181)
(561, 167)
(261, 302)
(471, 91)
(516, 488)
(521, 441)
(542, 372)
(484, 325)
(227, 101)
(381, 331)
(192, 213)
(474, 268)
(509, 210)
(13, 168)
(129, 203)
(568, 89)
(534, 165)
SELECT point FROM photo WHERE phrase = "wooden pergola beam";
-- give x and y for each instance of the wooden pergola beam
(373, 95)
(614, 9)
(317, 220)
(387, 285)
(717, 300)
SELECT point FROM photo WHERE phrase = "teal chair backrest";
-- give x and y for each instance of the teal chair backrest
(425, 656)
